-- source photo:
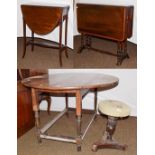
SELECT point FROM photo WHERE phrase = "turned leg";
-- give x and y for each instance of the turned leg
(107, 140)
(79, 133)
(24, 37)
(78, 116)
(37, 125)
(36, 111)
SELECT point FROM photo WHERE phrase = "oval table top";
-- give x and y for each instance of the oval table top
(71, 81)
(43, 18)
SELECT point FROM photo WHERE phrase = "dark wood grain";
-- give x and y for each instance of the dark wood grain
(71, 81)
(25, 117)
(108, 22)
(43, 19)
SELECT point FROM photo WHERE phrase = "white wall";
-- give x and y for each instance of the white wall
(126, 91)
(54, 35)
(114, 2)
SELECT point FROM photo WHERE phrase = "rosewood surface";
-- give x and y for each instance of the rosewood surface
(108, 22)
(43, 19)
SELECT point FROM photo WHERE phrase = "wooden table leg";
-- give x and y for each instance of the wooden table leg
(78, 115)
(60, 43)
(88, 42)
(82, 44)
(66, 28)
(125, 49)
(66, 100)
(36, 111)
(122, 52)
(95, 102)
(32, 37)
(119, 53)
(95, 99)
(107, 140)
(24, 37)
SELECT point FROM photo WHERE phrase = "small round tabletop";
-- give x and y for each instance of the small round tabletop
(71, 81)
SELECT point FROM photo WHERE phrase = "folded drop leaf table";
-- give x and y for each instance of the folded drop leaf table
(106, 22)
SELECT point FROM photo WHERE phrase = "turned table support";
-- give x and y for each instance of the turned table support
(86, 43)
(78, 117)
(36, 112)
(114, 110)
(107, 140)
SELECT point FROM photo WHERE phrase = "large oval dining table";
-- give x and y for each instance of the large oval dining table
(77, 84)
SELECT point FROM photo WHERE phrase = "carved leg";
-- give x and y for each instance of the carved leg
(32, 46)
(24, 37)
(107, 139)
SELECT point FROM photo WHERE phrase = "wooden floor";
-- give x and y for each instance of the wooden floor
(48, 58)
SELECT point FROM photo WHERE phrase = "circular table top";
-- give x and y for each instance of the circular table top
(114, 108)
(71, 81)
